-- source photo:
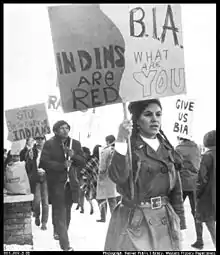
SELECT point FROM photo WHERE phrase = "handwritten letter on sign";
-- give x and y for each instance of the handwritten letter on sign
(107, 53)
(154, 53)
(183, 124)
(89, 51)
(25, 122)
(53, 103)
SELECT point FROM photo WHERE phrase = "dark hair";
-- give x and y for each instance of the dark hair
(58, 124)
(96, 151)
(110, 138)
(40, 136)
(136, 108)
(183, 139)
(86, 150)
(209, 139)
(8, 158)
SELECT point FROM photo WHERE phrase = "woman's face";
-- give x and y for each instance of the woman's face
(150, 120)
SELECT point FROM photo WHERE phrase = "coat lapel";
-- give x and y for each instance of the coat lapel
(61, 145)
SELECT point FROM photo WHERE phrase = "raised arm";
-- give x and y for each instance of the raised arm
(118, 170)
(23, 154)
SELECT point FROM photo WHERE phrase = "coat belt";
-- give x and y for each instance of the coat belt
(153, 202)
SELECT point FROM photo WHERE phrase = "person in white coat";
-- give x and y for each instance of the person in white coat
(106, 189)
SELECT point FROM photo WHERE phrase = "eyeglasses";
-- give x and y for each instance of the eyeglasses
(39, 138)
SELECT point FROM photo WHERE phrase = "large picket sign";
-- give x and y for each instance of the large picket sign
(184, 117)
(154, 55)
(29, 121)
(110, 53)
(89, 56)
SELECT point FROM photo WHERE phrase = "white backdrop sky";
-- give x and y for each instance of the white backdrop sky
(30, 72)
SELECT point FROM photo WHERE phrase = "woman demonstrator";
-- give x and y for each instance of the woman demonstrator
(152, 219)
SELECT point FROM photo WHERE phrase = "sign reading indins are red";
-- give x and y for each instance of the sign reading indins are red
(25, 122)
(89, 51)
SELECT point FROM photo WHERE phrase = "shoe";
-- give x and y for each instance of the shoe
(55, 236)
(68, 249)
(77, 208)
(37, 221)
(82, 211)
(198, 245)
(43, 226)
(101, 220)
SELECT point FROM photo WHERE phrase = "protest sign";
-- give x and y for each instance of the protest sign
(183, 125)
(103, 55)
(154, 54)
(25, 122)
(89, 52)
(17, 146)
(53, 103)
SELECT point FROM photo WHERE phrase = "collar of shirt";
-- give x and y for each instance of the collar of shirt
(154, 143)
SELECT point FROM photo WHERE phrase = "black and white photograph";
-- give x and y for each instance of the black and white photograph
(109, 127)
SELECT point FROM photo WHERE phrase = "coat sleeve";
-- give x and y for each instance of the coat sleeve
(203, 173)
(118, 170)
(23, 154)
(78, 159)
(176, 200)
(47, 163)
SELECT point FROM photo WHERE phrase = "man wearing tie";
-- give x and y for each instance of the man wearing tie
(60, 162)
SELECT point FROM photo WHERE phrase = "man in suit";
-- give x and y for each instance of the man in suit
(31, 155)
(60, 162)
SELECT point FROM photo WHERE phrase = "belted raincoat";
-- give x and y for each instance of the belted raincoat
(134, 225)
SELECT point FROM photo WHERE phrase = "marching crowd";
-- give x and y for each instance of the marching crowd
(139, 174)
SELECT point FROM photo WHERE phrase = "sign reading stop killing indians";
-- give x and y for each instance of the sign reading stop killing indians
(183, 125)
(25, 122)
(110, 53)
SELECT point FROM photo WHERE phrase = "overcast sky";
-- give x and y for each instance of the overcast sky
(30, 72)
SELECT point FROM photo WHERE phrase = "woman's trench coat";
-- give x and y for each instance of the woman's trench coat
(134, 227)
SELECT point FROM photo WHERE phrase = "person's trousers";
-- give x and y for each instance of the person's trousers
(212, 230)
(41, 200)
(69, 203)
(198, 224)
(59, 213)
(81, 199)
(192, 200)
(112, 202)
